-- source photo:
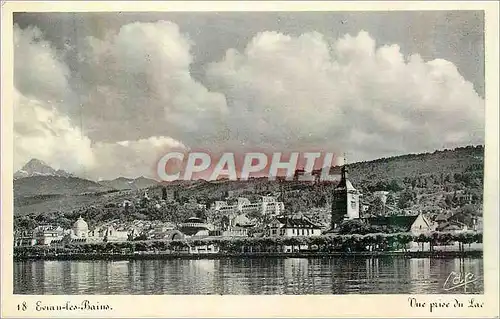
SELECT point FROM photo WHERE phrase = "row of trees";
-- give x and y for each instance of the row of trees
(326, 243)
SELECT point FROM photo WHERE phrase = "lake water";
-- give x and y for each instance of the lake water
(353, 275)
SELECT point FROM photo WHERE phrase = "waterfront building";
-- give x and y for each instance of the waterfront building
(202, 249)
(96, 235)
(238, 226)
(194, 226)
(345, 202)
(292, 226)
(235, 231)
(81, 233)
(80, 229)
(45, 235)
(67, 239)
(24, 239)
(414, 224)
(113, 235)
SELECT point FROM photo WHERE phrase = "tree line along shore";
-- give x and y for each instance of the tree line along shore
(325, 245)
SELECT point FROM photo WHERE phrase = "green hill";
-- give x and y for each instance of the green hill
(55, 185)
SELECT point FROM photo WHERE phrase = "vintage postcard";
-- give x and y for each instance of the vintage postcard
(249, 159)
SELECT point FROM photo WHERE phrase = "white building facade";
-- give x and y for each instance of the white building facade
(268, 205)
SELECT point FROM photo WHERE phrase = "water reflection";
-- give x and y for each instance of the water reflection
(244, 276)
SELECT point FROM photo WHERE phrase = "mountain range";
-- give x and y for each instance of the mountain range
(36, 167)
(38, 178)
(122, 183)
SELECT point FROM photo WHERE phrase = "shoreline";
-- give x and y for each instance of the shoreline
(170, 256)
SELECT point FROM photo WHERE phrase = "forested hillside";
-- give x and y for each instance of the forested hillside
(55, 185)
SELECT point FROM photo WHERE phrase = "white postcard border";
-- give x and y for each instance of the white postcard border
(128, 306)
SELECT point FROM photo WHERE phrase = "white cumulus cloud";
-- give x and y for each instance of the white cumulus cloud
(346, 96)
(138, 84)
(42, 132)
(132, 158)
(43, 126)
(129, 97)
(39, 70)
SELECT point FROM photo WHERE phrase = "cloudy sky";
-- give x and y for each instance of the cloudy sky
(104, 95)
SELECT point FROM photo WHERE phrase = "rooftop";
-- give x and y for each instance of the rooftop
(297, 222)
(403, 221)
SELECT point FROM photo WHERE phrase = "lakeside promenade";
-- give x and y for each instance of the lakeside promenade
(168, 255)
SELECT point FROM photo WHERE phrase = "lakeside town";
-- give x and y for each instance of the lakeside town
(346, 223)
(239, 152)
(247, 151)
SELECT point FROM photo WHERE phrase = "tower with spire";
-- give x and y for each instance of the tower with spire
(345, 203)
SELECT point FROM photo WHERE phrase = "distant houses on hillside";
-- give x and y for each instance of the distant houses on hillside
(268, 205)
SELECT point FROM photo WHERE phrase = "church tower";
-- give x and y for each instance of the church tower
(345, 203)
